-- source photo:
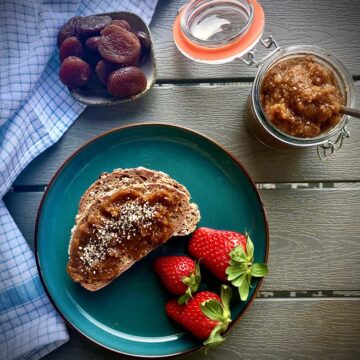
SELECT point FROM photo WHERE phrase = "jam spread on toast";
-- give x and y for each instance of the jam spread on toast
(119, 230)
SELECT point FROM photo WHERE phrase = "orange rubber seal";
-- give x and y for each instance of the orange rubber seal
(224, 53)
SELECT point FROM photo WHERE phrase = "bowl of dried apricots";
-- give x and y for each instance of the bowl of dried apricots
(106, 59)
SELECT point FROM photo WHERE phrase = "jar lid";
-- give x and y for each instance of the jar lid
(218, 31)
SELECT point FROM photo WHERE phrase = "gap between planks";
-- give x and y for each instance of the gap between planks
(309, 295)
(205, 82)
(260, 186)
(303, 299)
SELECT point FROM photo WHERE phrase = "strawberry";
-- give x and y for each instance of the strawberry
(179, 274)
(206, 315)
(228, 255)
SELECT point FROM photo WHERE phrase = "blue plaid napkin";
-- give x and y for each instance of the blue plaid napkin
(35, 111)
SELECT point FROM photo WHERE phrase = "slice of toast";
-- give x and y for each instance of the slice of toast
(120, 228)
(120, 178)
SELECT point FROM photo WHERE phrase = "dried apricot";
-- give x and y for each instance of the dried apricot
(92, 25)
(126, 82)
(71, 46)
(144, 42)
(92, 43)
(75, 72)
(104, 69)
(68, 30)
(91, 49)
(119, 46)
(122, 23)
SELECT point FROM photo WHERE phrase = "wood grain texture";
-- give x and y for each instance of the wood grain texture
(272, 329)
(333, 25)
(216, 111)
(314, 236)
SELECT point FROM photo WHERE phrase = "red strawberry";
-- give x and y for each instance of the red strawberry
(213, 248)
(179, 274)
(206, 316)
(228, 255)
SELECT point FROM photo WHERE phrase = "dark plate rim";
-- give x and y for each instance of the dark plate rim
(81, 148)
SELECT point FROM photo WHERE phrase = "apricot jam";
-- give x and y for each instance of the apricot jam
(301, 97)
(119, 230)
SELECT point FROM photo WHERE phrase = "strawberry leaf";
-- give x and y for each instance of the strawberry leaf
(248, 279)
(241, 268)
(226, 295)
(235, 271)
(239, 280)
(184, 298)
(212, 309)
(238, 254)
(249, 247)
(259, 270)
(233, 262)
(236, 275)
(192, 282)
(244, 290)
(215, 337)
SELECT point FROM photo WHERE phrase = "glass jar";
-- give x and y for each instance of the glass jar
(265, 132)
(220, 31)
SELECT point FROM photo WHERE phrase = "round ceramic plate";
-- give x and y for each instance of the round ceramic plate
(128, 315)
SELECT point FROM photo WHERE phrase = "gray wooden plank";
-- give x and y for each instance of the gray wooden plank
(314, 236)
(272, 329)
(333, 25)
(216, 111)
(313, 233)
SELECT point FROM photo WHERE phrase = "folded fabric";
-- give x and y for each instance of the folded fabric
(35, 111)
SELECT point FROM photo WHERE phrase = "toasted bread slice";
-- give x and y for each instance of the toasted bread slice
(121, 228)
(121, 178)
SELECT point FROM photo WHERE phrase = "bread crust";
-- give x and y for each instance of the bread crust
(119, 178)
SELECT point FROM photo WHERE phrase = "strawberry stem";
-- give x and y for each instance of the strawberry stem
(242, 268)
(218, 311)
(192, 282)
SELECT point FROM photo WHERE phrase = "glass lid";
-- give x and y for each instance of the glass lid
(216, 23)
(218, 31)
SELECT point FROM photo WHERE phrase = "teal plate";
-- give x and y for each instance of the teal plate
(128, 315)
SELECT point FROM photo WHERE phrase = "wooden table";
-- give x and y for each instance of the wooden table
(309, 306)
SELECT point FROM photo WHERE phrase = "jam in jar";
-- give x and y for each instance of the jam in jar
(296, 97)
(301, 97)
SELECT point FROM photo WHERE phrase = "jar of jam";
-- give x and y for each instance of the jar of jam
(306, 119)
(298, 91)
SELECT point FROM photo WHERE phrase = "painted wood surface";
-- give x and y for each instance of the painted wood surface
(215, 111)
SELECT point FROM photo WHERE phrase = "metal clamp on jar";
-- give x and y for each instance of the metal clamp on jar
(220, 31)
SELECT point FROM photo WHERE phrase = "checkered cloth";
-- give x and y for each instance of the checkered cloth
(35, 111)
